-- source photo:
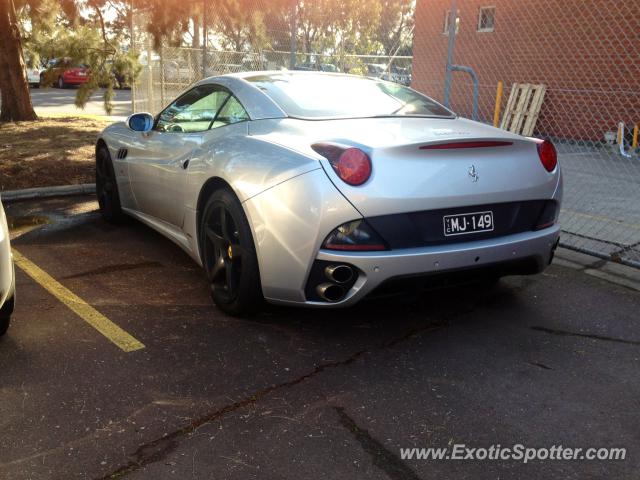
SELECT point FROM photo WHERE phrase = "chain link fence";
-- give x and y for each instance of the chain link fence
(228, 36)
(584, 53)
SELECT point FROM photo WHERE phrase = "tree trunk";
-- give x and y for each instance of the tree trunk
(16, 100)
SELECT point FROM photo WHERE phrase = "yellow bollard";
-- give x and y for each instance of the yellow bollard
(634, 144)
(496, 112)
(620, 138)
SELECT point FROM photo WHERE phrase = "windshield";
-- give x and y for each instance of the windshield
(313, 95)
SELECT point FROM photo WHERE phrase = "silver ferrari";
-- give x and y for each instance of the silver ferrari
(319, 189)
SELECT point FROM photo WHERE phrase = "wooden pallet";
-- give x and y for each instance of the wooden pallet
(521, 114)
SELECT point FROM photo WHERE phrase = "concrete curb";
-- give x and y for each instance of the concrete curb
(30, 193)
(604, 270)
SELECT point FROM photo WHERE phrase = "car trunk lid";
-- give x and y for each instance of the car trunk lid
(425, 164)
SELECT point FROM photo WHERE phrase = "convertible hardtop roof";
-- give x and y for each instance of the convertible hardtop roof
(275, 73)
(258, 104)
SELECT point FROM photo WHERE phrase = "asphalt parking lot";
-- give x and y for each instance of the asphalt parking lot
(56, 101)
(290, 394)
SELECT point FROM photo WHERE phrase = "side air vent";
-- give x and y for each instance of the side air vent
(122, 153)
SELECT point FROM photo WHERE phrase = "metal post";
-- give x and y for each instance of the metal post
(453, 15)
(132, 47)
(294, 34)
(496, 110)
(162, 80)
(150, 96)
(205, 38)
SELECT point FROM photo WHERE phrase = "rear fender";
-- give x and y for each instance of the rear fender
(289, 224)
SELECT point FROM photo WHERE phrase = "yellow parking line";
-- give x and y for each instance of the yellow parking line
(85, 311)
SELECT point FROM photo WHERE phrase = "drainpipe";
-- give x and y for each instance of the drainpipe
(453, 14)
(451, 67)
(476, 86)
(621, 140)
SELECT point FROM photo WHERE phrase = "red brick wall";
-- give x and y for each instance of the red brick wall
(587, 53)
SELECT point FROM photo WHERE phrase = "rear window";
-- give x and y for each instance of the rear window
(313, 95)
(67, 63)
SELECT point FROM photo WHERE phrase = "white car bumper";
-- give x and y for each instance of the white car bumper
(7, 280)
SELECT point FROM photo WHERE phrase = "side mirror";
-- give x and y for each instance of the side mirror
(140, 122)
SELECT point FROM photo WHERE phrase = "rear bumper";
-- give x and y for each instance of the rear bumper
(75, 79)
(526, 253)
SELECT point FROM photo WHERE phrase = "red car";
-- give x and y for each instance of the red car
(62, 73)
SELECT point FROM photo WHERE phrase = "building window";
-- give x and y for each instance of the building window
(486, 19)
(447, 17)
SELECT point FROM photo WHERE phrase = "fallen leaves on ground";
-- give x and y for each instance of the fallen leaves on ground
(48, 152)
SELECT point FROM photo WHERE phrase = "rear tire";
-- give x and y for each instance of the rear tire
(229, 255)
(5, 314)
(107, 187)
(61, 83)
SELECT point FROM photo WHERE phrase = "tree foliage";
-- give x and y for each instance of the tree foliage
(167, 20)
(97, 33)
(395, 30)
(84, 32)
(322, 26)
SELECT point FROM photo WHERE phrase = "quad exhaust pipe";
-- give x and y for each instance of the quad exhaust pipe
(339, 273)
(330, 292)
(339, 277)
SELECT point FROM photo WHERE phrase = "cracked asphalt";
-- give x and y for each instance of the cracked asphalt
(541, 361)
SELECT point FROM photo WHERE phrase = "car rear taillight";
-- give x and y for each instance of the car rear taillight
(351, 164)
(547, 154)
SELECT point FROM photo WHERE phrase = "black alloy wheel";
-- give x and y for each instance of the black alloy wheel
(107, 187)
(229, 255)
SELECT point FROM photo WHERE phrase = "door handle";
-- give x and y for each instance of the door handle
(185, 163)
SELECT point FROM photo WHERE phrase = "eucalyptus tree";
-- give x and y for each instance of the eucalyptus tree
(87, 32)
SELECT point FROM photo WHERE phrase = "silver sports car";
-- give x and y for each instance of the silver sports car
(318, 189)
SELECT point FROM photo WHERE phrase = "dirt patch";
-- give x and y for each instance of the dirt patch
(48, 152)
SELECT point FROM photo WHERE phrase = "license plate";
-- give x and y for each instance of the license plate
(82, 74)
(464, 223)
